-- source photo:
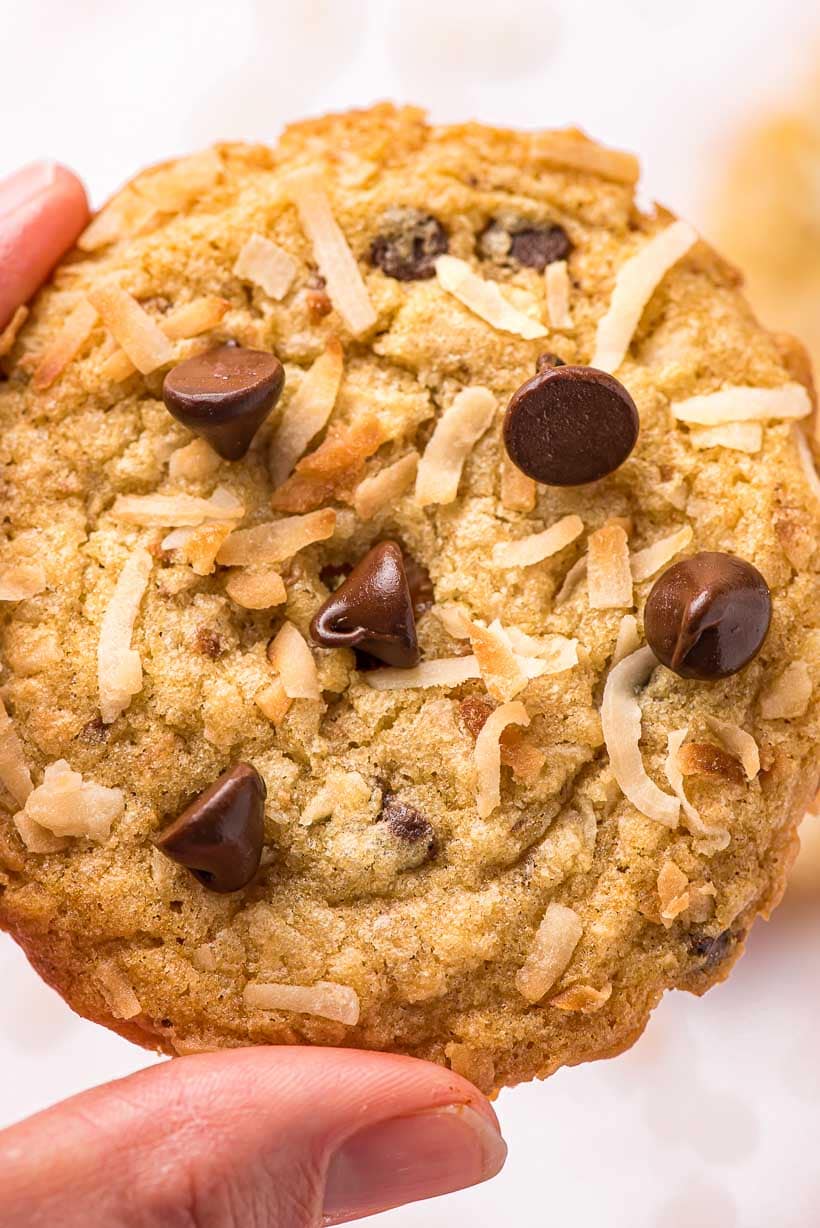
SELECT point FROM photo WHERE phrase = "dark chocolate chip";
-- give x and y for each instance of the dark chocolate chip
(372, 610)
(548, 360)
(707, 616)
(408, 244)
(422, 593)
(219, 836)
(407, 823)
(711, 951)
(570, 425)
(515, 240)
(224, 395)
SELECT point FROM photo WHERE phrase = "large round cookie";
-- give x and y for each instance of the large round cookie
(449, 864)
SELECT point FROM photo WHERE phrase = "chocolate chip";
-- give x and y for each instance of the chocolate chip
(510, 239)
(422, 593)
(407, 823)
(224, 395)
(548, 360)
(219, 836)
(408, 244)
(372, 610)
(711, 951)
(94, 731)
(707, 616)
(570, 425)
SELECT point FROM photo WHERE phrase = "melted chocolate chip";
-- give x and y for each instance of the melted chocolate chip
(407, 823)
(570, 425)
(711, 951)
(219, 836)
(224, 395)
(514, 240)
(372, 610)
(707, 616)
(408, 244)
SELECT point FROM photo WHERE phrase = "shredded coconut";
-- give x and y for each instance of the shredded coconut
(501, 669)
(385, 487)
(488, 754)
(742, 404)
(628, 640)
(788, 696)
(572, 581)
(692, 816)
(621, 721)
(325, 999)
(291, 657)
(195, 462)
(130, 324)
(635, 284)
(127, 215)
(307, 411)
(277, 540)
(266, 265)
(485, 299)
(256, 590)
(14, 771)
(77, 328)
(527, 551)
(673, 892)
(336, 262)
(66, 805)
(609, 575)
(570, 148)
(9, 334)
(556, 276)
(117, 991)
(558, 652)
(272, 701)
(584, 999)
(19, 581)
(119, 669)
(738, 436)
(447, 671)
(456, 433)
(552, 950)
(176, 511)
(194, 318)
(646, 562)
(738, 742)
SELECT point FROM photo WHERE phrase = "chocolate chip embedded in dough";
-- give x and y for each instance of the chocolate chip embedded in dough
(408, 244)
(372, 610)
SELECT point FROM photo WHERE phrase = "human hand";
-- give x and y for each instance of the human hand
(248, 1138)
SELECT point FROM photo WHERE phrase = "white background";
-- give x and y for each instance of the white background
(711, 1121)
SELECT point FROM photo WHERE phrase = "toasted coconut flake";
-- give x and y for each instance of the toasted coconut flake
(788, 696)
(673, 892)
(518, 492)
(457, 432)
(558, 652)
(266, 265)
(570, 149)
(583, 999)
(485, 299)
(344, 448)
(807, 460)
(9, 334)
(538, 546)
(325, 999)
(117, 367)
(194, 318)
(19, 581)
(454, 619)
(709, 759)
(336, 262)
(202, 545)
(78, 326)
(66, 805)
(572, 581)
(488, 754)
(609, 575)
(646, 562)
(447, 671)
(277, 540)
(256, 590)
(557, 279)
(552, 950)
(635, 283)
(500, 667)
(738, 742)
(628, 640)
(127, 215)
(176, 511)
(196, 462)
(701, 902)
(273, 702)
(130, 324)
(307, 411)
(117, 991)
(15, 776)
(175, 187)
(742, 404)
(385, 487)
(517, 750)
(738, 436)
(621, 721)
(693, 818)
(290, 655)
(119, 669)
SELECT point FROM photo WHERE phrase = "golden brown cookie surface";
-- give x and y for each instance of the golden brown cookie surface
(449, 864)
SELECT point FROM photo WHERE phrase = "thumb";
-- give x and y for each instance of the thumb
(250, 1138)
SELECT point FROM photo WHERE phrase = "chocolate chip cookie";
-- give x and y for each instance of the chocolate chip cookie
(410, 619)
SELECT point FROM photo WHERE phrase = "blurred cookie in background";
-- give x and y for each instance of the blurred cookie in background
(805, 875)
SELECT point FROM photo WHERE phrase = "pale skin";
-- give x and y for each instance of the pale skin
(246, 1138)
